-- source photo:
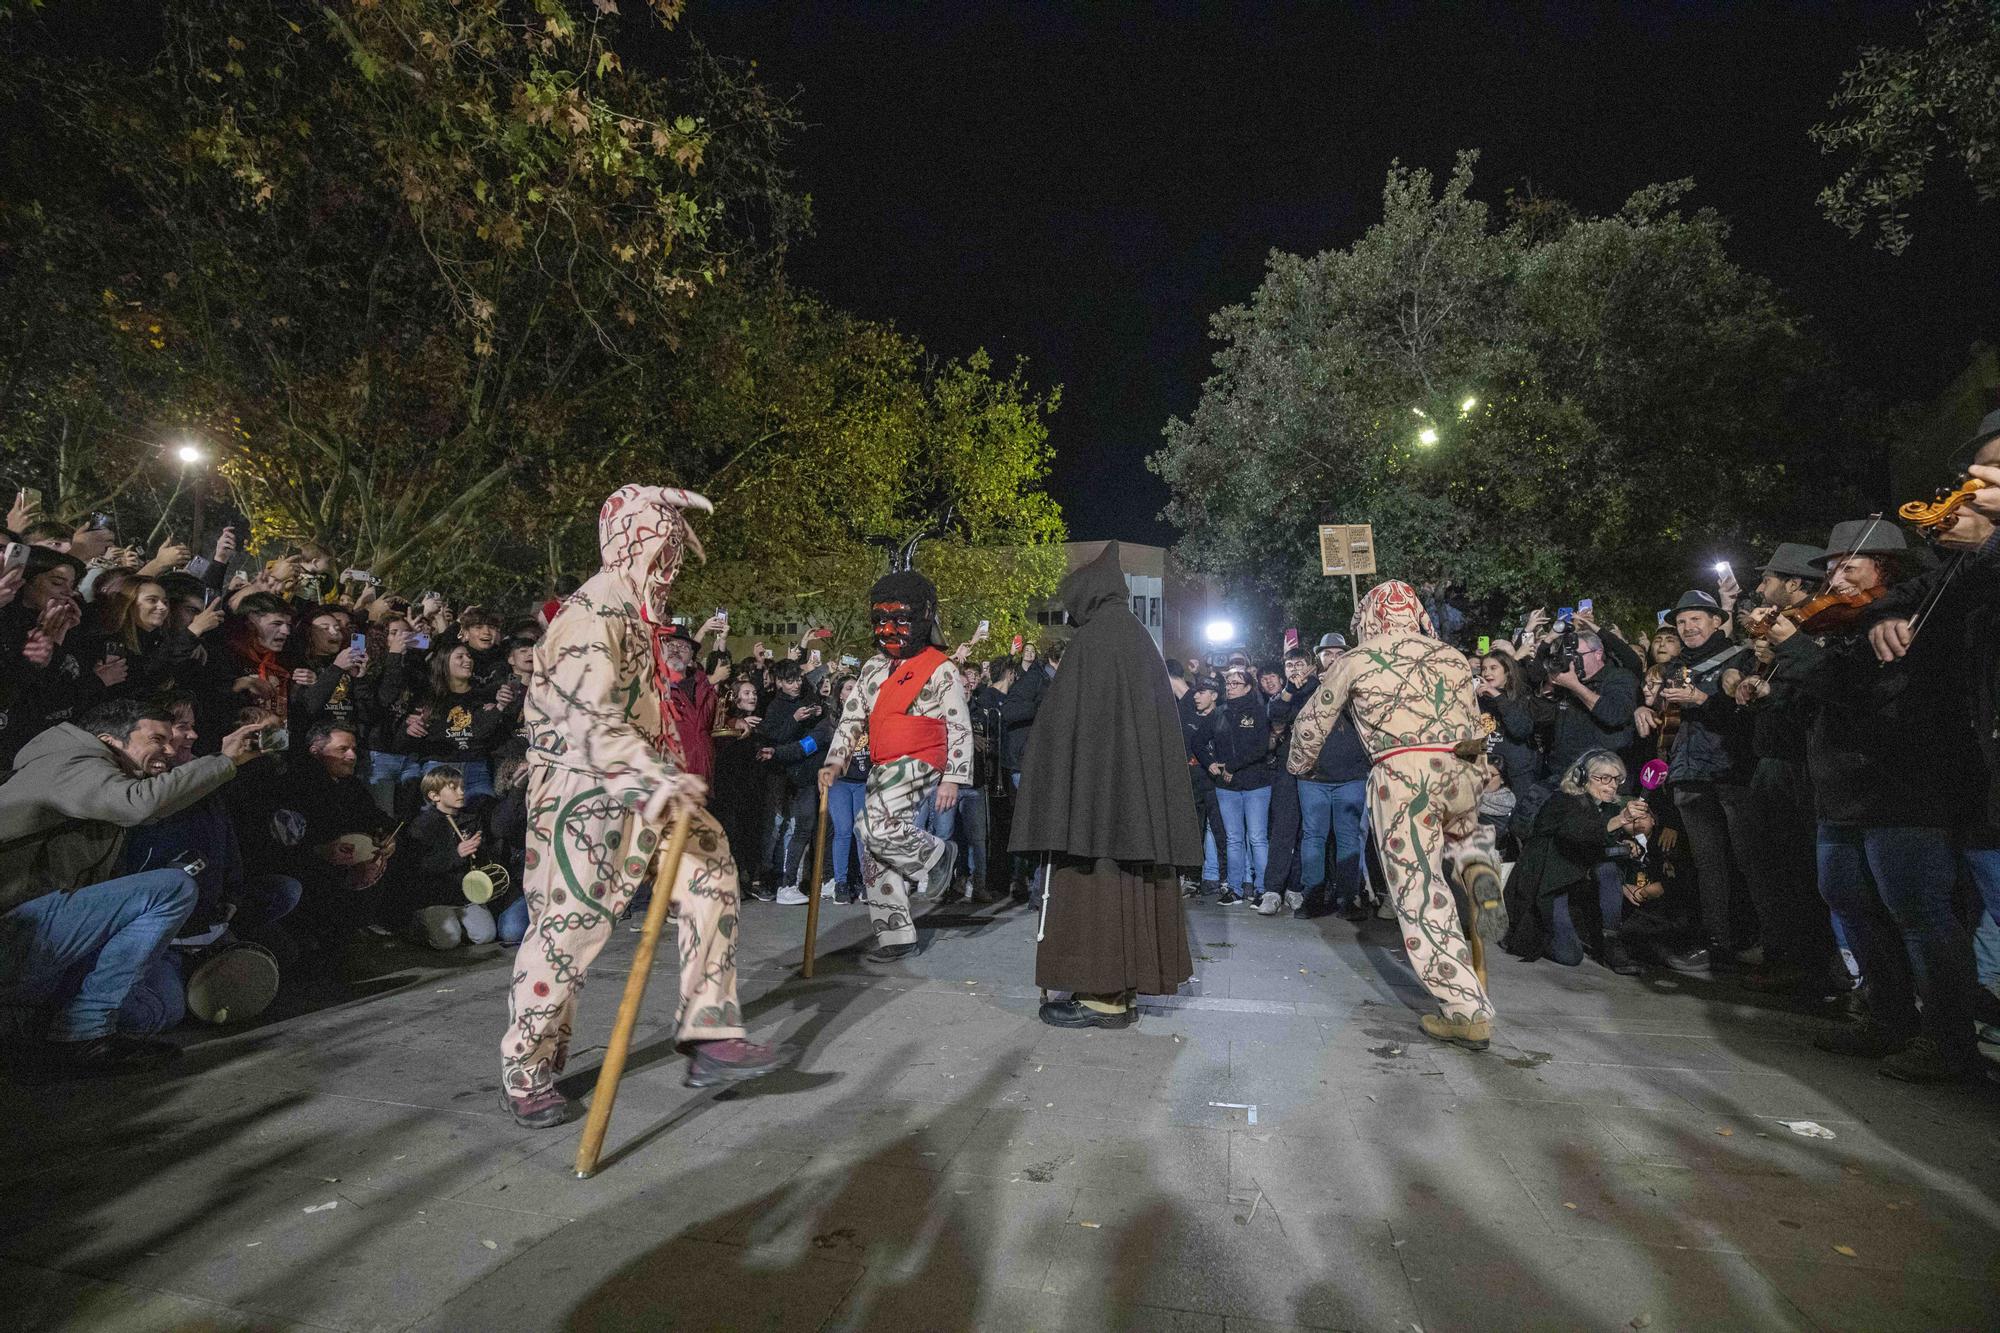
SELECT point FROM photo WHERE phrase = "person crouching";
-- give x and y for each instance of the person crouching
(442, 843)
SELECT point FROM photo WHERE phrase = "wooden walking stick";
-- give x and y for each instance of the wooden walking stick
(812, 891)
(613, 1067)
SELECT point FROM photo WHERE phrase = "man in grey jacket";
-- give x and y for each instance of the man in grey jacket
(75, 936)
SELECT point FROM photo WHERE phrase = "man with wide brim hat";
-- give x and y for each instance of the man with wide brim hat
(1895, 775)
(1796, 929)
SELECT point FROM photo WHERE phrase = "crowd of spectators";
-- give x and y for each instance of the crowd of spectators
(1807, 808)
(140, 883)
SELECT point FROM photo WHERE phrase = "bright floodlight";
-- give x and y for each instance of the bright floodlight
(1219, 631)
(1427, 436)
(189, 453)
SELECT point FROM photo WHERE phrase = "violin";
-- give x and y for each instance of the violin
(1828, 613)
(1936, 513)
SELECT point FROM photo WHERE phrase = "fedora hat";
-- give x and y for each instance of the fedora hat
(1863, 536)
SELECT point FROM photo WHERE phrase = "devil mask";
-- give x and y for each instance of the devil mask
(902, 613)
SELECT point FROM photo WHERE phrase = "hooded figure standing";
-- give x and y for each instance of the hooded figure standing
(908, 707)
(1413, 700)
(1105, 803)
(605, 764)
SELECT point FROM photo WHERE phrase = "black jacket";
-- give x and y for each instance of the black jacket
(1343, 758)
(1560, 853)
(1605, 725)
(1020, 704)
(1242, 738)
(1713, 744)
(797, 747)
(1889, 743)
(1103, 776)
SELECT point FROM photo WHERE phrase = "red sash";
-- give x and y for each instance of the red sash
(892, 732)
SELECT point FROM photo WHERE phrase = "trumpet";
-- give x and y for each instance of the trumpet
(482, 883)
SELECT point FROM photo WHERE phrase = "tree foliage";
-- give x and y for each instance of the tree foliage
(1904, 109)
(387, 258)
(1605, 395)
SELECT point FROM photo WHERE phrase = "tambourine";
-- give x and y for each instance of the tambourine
(482, 884)
(230, 983)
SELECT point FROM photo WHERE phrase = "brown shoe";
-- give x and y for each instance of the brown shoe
(1474, 1034)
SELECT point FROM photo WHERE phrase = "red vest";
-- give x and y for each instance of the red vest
(892, 732)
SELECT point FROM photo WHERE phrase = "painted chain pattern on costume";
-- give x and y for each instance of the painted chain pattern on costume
(1425, 809)
(601, 743)
(1404, 688)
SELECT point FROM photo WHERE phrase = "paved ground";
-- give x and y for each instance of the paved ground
(1277, 1148)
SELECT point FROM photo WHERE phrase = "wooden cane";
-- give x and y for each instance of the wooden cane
(812, 890)
(613, 1067)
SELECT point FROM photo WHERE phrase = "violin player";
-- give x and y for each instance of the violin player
(1896, 776)
(1969, 535)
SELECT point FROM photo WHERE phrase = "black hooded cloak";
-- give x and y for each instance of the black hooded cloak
(1106, 804)
(1106, 772)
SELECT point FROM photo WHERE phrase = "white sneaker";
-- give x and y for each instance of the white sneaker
(1295, 900)
(1269, 904)
(789, 896)
(826, 891)
(1384, 912)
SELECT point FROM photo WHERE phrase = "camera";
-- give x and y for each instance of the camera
(1560, 654)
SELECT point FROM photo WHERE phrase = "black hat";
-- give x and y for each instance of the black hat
(1987, 430)
(1863, 536)
(1694, 599)
(1208, 683)
(1793, 560)
(1333, 640)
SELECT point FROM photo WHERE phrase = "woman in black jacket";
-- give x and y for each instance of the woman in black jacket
(1504, 698)
(1243, 770)
(461, 724)
(1583, 839)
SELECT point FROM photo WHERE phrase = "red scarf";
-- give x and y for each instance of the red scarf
(664, 680)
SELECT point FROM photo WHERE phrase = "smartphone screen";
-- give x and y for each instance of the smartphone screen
(1564, 614)
(1584, 604)
(17, 555)
(984, 626)
(358, 645)
(1485, 644)
(420, 640)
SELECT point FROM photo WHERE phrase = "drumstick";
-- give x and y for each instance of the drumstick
(812, 901)
(613, 1067)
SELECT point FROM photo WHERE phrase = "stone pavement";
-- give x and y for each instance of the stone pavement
(1278, 1147)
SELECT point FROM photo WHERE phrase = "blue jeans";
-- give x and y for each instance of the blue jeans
(478, 772)
(387, 773)
(1246, 817)
(1984, 864)
(1341, 809)
(1890, 888)
(843, 811)
(969, 831)
(1565, 945)
(78, 956)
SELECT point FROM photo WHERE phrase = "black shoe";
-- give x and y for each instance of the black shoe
(883, 955)
(1316, 905)
(1229, 898)
(1617, 959)
(1867, 1039)
(1076, 1014)
(1203, 889)
(109, 1056)
(762, 893)
(1924, 1061)
(1357, 912)
(984, 896)
(938, 880)
(1695, 962)
(1986, 1007)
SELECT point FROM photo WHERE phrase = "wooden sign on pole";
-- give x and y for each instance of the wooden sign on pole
(1347, 548)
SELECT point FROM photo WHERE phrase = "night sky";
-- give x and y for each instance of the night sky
(1085, 185)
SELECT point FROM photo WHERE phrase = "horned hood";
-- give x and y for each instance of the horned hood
(644, 538)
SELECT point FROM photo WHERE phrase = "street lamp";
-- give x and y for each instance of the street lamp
(190, 454)
(1219, 632)
(1465, 408)
(1428, 435)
